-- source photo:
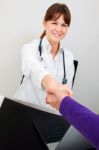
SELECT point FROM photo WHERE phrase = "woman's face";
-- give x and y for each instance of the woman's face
(56, 30)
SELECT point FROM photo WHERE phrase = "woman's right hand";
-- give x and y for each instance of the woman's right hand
(49, 82)
(55, 91)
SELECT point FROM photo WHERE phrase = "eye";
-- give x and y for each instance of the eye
(65, 25)
(54, 22)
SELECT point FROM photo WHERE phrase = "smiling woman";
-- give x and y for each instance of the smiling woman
(45, 62)
(55, 31)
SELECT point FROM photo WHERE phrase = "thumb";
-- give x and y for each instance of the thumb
(51, 91)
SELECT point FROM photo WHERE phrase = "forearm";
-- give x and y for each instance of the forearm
(32, 67)
(82, 118)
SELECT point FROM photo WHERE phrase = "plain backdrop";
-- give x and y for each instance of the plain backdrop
(21, 21)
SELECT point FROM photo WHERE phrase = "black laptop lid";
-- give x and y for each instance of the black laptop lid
(73, 140)
(15, 116)
(17, 130)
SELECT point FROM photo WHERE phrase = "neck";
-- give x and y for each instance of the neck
(54, 49)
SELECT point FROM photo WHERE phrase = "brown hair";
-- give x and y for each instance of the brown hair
(54, 12)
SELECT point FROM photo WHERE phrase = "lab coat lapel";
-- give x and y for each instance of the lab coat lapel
(47, 61)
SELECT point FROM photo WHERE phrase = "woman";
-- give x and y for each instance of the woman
(45, 62)
(83, 119)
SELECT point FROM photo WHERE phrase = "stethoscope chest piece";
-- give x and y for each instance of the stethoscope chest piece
(64, 81)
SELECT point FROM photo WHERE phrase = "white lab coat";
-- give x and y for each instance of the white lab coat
(35, 68)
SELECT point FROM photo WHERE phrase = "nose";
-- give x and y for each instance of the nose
(59, 28)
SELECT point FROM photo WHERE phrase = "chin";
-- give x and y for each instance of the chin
(56, 39)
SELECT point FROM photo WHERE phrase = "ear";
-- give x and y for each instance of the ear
(44, 24)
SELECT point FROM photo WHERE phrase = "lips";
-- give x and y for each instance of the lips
(57, 35)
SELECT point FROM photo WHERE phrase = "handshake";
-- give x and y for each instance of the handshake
(55, 95)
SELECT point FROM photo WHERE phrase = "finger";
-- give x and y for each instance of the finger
(51, 91)
(70, 93)
(47, 102)
(50, 98)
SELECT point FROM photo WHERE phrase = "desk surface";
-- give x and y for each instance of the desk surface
(52, 146)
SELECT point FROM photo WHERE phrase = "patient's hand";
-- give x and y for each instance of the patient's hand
(54, 96)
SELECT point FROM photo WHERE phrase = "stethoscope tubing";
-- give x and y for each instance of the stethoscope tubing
(64, 81)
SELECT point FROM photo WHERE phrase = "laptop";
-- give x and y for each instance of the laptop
(17, 128)
(73, 140)
(20, 128)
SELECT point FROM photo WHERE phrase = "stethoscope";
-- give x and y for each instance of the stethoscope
(64, 81)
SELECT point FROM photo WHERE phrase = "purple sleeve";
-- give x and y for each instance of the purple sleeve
(86, 121)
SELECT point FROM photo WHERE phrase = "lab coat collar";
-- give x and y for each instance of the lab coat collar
(47, 46)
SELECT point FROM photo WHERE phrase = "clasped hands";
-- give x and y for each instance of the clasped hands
(56, 94)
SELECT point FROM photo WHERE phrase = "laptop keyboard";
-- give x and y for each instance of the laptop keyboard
(53, 134)
(52, 129)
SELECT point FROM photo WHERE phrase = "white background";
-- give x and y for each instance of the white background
(21, 22)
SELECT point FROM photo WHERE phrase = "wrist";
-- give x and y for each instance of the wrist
(49, 82)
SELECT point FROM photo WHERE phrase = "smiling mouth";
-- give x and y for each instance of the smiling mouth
(57, 35)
